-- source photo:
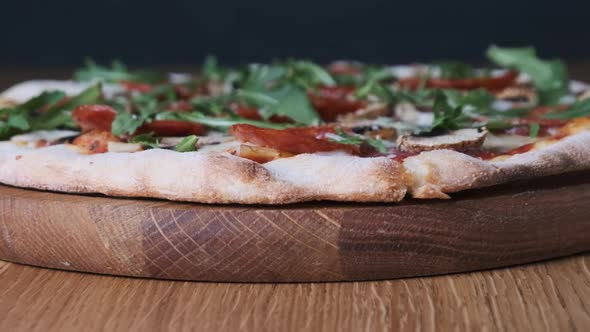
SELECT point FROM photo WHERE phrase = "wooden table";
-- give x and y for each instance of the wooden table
(547, 296)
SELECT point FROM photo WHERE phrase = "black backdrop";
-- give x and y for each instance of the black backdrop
(181, 31)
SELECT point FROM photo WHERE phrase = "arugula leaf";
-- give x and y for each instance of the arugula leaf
(56, 113)
(293, 103)
(19, 121)
(255, 98)
(550, 77)
(446, 115)
(126, 123)
(45, 99)
(372, 85)
(455, 70)
(116, 73)
(281, 89)
(578, 109)
(222, 123)
(14, 120)
(262, 77)
(146, 140)
(188, 144)
(343, 138)
(59, 114)
(308, 74)
(147, 106)
(534, 130)
(210, 69)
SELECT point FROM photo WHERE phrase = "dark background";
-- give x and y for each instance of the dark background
(63, 32)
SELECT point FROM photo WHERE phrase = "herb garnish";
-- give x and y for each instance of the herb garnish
(343, 138)
(56, 111)
(116, 73)
(188, 144)
(146, 140)
(550, 77)
(455, 70)
(576, 110)
(446, 115)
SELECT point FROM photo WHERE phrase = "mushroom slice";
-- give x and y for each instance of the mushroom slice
(408, 113)
(455, 140)
(124, 147)
(372, 111)
(522, 95)
(258, 154)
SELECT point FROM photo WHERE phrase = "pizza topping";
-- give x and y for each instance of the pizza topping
(95, 141)
(522, 95)
(123, 147)
(549, 77)
(171, 128)
(258, 154)
(188, 144)
(90, 117)
(461, 139)
(279, 109)
(292, 140)
(490, 83)
(117, 72)
(332, 101)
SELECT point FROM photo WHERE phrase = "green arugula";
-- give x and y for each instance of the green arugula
(126, 123)
(448, 115)
(580, 108)
(344, 138)
(534, 130)
(455, 70)
(60, 114)
(373, 85)
(148, 140)
(291, 102)
(222, 123)
(115, 73)
(550, 77)
(56, 113)
(147, 105)
(281, 89)
(187, 144)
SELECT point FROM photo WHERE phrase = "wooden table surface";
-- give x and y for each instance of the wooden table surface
(548, 296)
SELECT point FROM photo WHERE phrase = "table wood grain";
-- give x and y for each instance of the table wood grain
(547, 296)
(553, 296)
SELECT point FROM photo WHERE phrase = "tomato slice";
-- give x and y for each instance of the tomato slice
(487, 82)
(136, 86)
(171, 128)
(90, 117)
(547, 127)
(95, 141)
(292, 140)
(344, 68)
(331, 101)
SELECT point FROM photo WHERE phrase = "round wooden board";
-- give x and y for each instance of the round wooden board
(493, 227)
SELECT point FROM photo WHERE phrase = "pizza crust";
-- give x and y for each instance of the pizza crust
(219, 177)
(437, 173)
(204, 177)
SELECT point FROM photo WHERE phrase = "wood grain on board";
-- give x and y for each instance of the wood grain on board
(500, 226)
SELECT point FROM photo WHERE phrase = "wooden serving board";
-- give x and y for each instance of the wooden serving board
(512, 224)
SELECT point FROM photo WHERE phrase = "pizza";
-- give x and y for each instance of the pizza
(294, 131)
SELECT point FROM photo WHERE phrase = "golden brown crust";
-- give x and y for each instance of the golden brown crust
(437, 173)
(204, 177)
(218, 177)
